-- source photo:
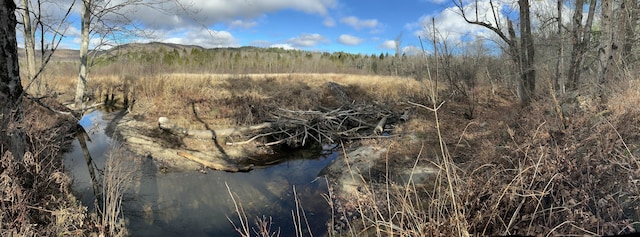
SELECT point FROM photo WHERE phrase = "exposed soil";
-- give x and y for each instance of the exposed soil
(151, 141)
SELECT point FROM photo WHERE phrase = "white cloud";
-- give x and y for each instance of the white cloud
(209, 12)
(451, 26)
(204, 38)
(349, 40)
(329, 22)
(388, 44)
(360, 24)
(411, 50)
(242, 24)
(282, 46)
(307, 40)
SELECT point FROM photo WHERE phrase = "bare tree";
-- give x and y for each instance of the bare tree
(631, 31)
(609, 50)
(398, 47)
(10, 87)
(101, 19)
(29, 40)
(527, 51)
(559, 80)
(32, 21)
(521, 49)
(84, 51)
(581, 38)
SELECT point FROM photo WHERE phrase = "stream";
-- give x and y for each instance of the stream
(195, 204)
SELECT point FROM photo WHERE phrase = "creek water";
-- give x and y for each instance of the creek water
(195, 204)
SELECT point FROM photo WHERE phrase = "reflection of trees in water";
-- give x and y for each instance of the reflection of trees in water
(83, 137)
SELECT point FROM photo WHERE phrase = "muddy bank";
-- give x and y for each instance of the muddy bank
(174, 153)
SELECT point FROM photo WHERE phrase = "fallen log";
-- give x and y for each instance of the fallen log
(165, 124)
(219, 164)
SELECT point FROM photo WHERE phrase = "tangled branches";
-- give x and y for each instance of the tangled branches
(325, 126)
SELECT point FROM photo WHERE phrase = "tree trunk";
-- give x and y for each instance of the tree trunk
(29, 41)
(608, 50)
(10, 85)
(527, 52)
(559, 80)
(84, 52)
(581, 37)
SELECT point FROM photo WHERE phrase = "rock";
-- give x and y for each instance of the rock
(345, 171)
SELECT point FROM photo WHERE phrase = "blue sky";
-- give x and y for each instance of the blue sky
(355, 26)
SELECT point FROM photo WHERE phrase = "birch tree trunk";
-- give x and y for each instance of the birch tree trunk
(10, 86)
(559, 80)
(608, 50)
(581, 38)
(29, 41)
(84, 52)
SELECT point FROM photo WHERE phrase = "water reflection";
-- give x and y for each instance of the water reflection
(196, 204)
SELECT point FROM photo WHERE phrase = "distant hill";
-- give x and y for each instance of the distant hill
(150, 47)
(71, 55)
(60, 55)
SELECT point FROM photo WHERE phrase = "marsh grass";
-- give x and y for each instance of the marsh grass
(224, 100)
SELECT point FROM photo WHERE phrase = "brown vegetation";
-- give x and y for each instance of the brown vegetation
(35, 192)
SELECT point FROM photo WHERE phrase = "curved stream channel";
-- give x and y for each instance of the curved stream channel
(196, 204)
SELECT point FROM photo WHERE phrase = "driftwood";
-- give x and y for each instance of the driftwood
(219, 164)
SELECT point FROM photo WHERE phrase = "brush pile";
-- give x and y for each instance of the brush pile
(328, 126)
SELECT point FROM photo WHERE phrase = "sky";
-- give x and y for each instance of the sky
(354, 26)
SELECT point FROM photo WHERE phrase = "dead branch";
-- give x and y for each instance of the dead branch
(380, 126)
(301, 127)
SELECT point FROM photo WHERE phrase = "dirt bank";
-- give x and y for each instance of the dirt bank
(175, 153)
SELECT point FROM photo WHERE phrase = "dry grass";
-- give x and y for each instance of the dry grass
(512, 171)
(119, 172)
(222, 100)
(35, 196)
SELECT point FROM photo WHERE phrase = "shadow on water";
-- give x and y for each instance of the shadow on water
(196, 204)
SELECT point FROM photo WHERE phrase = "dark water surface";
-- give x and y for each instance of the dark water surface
(195, 204)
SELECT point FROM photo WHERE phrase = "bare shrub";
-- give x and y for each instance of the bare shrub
(119, 172)
(35, 197)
